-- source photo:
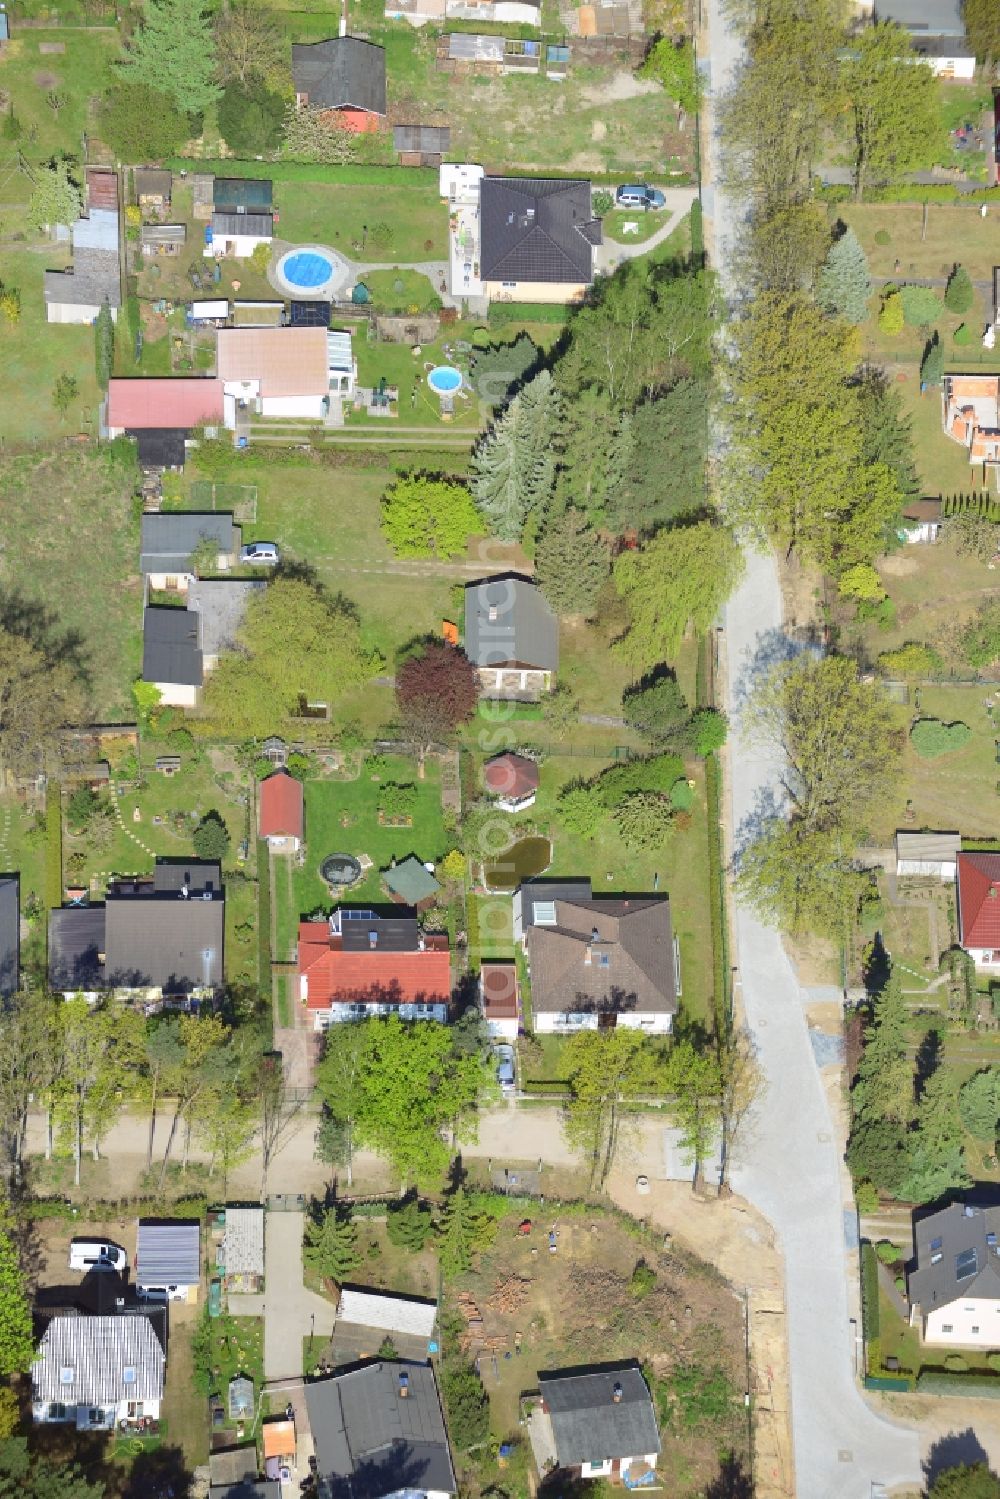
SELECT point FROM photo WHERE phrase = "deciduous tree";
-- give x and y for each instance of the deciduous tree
(982, 25)
(251, 117)
(607, 1071)
(55, 195)
(27, 1020)
(680, 578)
(17, 1342)
(894, 98)
(425, 516)
(802, 879)
(693, 1080)
(673, 65)
(644, 819)
(436, 691)
(308, 137)
(249, 44)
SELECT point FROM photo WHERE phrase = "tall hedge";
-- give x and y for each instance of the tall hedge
(978, 1385)
(869, 1292)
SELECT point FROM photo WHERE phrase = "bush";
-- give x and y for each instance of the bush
(993, 1361)
(956, 1364)
(681, 796)
(81, 807)
(883, 237)
(931, 737)
(962, 334)
(921, 306)
(643, 1280)
(888, 1252)
(910, 661)
(890, 318)
(601, 203)
(397, 799)
(869, 1292)
(466, 1403)
(866, 1197)
(959, 294)
(211, 837)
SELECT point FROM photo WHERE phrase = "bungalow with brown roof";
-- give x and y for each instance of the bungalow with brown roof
(500, 998)
(512, 780)
(921, 521)
(971, 416)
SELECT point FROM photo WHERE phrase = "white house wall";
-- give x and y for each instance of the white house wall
(338, 1014)
(502, 1030)
(310, 407)
(566, 1022)
(177, 694)
(968, 1324)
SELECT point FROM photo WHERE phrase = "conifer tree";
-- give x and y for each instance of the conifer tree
(459, 1233)
(844, 286)
(932, 364)
(883, 1088)
(513, 466)
(571, 563)
(173, 51)
(959, 294)
(331, 1245)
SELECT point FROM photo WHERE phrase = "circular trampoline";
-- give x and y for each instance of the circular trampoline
(340, 870)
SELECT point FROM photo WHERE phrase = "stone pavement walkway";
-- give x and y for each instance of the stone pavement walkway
(291, 1312)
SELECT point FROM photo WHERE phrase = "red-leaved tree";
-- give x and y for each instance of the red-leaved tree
(436, 690)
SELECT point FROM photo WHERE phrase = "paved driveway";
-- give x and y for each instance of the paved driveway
(793, 1170)
(678, 205)
(290, 1312)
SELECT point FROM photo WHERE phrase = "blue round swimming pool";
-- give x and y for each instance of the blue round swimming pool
(307, 268)
(445, 380)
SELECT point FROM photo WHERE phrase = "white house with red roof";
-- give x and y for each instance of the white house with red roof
(970, 406)
(362, 962)
(979, 907)
(512, 780)
(171, 403)
(281, 812)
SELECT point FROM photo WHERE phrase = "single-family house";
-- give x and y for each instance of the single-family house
(936, 31)
(276, 372)
(150, 939)
(171, 655)
(77, 295)
(411, 883)
(153, 188)
(922, 521)
(168, 1258)
(379, 1430)
(233, 1473)
(970, 406)
(344, 77)
(243, 1248)
(978, 901)
(181, 646)
(281, 811)
(169, 539)
(929, 856)
(10, 934)
(362, 962)
(366, 1318)
(500, 997)
(512, 780)
(954, 1289)
(511, 637)
(601, 1422)
(236, 236)
(597, 962)
(96, 1373)
(537, 237)
(174, 403)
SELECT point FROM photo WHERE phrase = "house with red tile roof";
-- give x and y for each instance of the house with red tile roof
(281, 812)
(362, 962)
(979, 907)
(500, 998)
(970, 407)
(178, 402)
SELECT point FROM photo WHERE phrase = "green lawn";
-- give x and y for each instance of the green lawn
(615, 221)
(955, 232)
(418, 405)
(76, 76)
(402, 223)
(36, 353)
(401, 291)
(342, 817)
(70, 544)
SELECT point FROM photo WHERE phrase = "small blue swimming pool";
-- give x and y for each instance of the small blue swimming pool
(444, 380)
(307, 268)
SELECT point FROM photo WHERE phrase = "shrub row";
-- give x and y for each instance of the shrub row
(263, 917)
(53, 845)
(502, 314)
(979, 1385)
(124, 1207)
(869, 1292)
(717, 893)
(909, 192)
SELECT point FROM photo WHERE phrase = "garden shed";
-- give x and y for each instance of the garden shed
(241, 1398)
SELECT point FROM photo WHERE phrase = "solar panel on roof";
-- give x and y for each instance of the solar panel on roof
(966, 1264)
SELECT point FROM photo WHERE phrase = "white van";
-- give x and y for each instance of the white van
(92, 1254)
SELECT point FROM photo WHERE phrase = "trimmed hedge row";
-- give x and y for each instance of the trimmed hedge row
(985, 1386)
(263, 917)
(53, 845)
(911, 192)
(717, 893)
(352, 174)
(123, 1207)
(869, 1292)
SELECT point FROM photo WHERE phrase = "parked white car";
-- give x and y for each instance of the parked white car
(93, 1254)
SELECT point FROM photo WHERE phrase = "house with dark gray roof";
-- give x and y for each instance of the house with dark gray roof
(537, 237)
(152, 939)
(954, 1284)
(78, 294)
(171, 655)
(378, 1430)
(160, 447)
(97, 1372)
(242, 195)
(343, 75)
(600, 1422)
(936, 30)
(168, 540)
(597, 962)
(10, 934)
(511, 637)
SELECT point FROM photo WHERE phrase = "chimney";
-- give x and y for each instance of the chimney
(616, 1393)
(493, 613)
(595, 935)
(373, 940)
(404, 1385)
(184, 892)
